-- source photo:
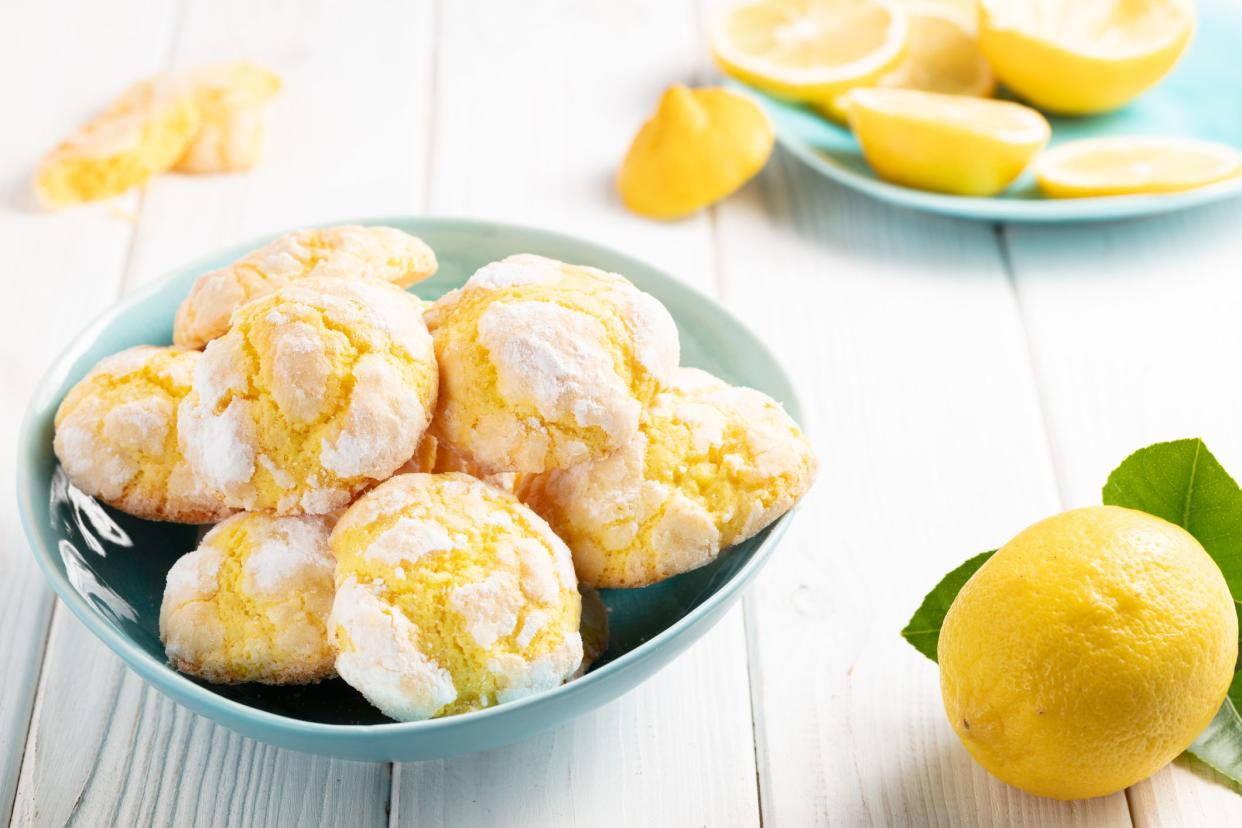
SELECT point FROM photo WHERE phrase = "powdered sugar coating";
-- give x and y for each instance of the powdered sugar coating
(432, 583)
(117, 437)
(346, 251)
(545, 364)
(251, 602)
(710, 466)
(317, 391)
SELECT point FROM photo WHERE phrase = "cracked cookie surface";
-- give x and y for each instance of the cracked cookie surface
(545, 364)
(710, 466)
(317, 392)
(451, 596)
(117, 437)
(251, 603)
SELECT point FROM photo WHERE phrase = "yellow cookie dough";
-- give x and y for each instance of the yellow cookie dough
(451, 596)
(230, 99)
(116, 436)
(142, 133)
(316, 392)
(545, 364)
(346, 251)
(251, 602)
(711, 465)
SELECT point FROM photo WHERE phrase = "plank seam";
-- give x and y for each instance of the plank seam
(1000, 233)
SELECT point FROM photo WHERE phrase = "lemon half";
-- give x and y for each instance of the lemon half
(945, 143)
(1083, 56)
(810, 50)
(1132, 165)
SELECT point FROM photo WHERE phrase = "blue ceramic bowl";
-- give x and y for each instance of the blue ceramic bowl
(109, 567)
(1197, 100)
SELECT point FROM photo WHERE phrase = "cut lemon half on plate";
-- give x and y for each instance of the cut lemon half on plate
(1083, 56)
(810, 50)
(945, 143)
(1134, 165)
(942, 55)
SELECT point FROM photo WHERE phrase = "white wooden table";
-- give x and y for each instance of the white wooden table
(960, 380)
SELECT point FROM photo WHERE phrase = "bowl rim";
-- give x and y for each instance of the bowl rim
(184, 690)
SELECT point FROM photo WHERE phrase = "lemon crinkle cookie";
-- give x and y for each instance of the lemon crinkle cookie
(142, 133)
(230, 98)
(711, 466)
(117, 437)
(347, 251)
(451, 596)
(545, 364)
(317, 392)
(251, 603)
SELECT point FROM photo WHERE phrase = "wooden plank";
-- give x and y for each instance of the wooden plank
(536, 103)
(347, 139)
(902, 332)
(62, 267)
(1132, 327)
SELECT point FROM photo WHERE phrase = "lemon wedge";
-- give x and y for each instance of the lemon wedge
(1133, 165)
(945, 143)
(942, 55)
(1083, 56)
(700, 146)
(810, 50)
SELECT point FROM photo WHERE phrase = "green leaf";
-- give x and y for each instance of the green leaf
(1184, 484)
(923, 631)
(1220, 745)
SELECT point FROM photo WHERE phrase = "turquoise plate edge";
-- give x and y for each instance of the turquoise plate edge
(1195, 100)
(437, 738)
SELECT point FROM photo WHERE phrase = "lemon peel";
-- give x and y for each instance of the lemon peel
(810, 50)
(251, 602)
(1133, 165)
(1080, 57)
(711, 466)
(545, 364)
(317, 391)
(116, 437)
(230, 98)
(451, 596)
(344, 251)
(700, 146)
(945, 143)
(140, 134)
(1088, 652)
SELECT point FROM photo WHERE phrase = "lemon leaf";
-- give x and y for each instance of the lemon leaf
(923, 631)
(1183, 483)
(1220, 745)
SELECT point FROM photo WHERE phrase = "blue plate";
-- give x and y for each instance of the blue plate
(1199, 99)
(109, 567)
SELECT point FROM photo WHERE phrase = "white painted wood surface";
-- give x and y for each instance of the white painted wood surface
(959, 383)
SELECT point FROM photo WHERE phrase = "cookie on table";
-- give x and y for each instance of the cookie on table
(116, 436)
(230, 98)
(317, 392)
(140, 134)
(251, 603)
(545, 364)
(451, 596)
(347, 251)
(711, 465)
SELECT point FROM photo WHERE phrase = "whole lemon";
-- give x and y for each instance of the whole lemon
(1088, 652)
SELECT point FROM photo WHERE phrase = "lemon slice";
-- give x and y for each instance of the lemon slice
(1133, 165)
(942, 55)
(946, 143)
(810, 50)
(1083, 56)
